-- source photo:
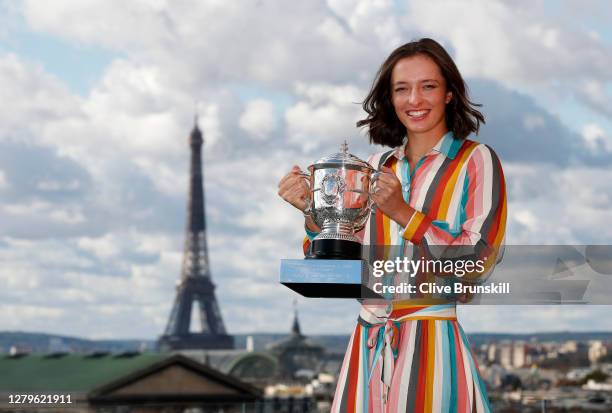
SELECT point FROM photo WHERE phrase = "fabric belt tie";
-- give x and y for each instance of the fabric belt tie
(383, 334)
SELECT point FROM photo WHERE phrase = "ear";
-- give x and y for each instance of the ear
(449, 97)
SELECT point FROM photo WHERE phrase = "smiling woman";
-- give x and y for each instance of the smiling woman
(436, 188)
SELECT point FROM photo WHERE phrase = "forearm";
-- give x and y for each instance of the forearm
(402, 214)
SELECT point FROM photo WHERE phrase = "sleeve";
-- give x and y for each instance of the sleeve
(308, 239)
(483, 230)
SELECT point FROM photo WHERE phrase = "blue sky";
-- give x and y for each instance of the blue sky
(94, 159)
(78, 66)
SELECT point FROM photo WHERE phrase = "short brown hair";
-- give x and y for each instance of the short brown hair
(384, 127)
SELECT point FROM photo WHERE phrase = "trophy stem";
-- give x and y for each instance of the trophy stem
(340, 228)
(337, 240)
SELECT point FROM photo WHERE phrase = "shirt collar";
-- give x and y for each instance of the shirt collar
(447, 145)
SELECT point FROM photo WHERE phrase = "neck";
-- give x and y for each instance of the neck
(421, 143)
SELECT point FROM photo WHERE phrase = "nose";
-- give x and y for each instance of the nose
(414, 97)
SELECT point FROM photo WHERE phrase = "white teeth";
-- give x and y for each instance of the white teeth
(417, 112)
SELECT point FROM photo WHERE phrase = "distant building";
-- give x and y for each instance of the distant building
(296, 353)
(293, 358)
(121, 382)
(597, 350)
(519, 352)
(505, 355)
(492, 353)
(569, 346)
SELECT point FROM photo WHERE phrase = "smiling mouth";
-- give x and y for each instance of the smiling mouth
(417, 114)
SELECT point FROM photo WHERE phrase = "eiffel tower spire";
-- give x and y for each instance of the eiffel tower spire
(195, 292)
(295, 329)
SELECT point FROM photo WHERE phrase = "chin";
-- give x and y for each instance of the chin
(419, 128)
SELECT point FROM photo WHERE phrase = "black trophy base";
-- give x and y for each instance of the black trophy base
(332, 290)
(335, 249)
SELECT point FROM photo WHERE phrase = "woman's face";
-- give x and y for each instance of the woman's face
(419, 96)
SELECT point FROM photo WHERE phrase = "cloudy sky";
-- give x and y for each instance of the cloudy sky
(99, 98)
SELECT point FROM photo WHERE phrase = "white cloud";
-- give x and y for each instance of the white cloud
(512, 319)
(104, 247)
(108, 29)
(70, 290)
(35, 97)
(258, 119)
(197, 42)
(51, 185)
(528, 219)
(210, 123)
(325, 113)
(533, 122)
(554, 205)
(40, 209)
(595, 95)
(4, 183)
(41, 318)
(595, 137)
(515, 44)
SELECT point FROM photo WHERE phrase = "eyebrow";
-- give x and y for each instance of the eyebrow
(401, 82)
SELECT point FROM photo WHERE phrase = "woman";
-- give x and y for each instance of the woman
(437, 188)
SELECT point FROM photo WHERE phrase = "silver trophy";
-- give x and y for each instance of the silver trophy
(340, 203)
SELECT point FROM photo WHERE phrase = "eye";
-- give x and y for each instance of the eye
(399, 89)
(429, 86)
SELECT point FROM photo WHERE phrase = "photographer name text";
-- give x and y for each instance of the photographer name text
(433, 288)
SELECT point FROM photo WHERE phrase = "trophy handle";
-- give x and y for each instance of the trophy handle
(371, 189)
(308, 178)
(371, 206)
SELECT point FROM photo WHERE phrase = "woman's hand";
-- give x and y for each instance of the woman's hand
(388, 197)
(294, 189)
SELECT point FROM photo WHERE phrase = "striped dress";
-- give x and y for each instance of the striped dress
(412, 355)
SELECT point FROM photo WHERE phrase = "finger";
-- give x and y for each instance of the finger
(284, 180)
(387, 173)
(391, 184)
(285, 186)
(292, 180)
(298, 199)
(291, 184)
(386, 185)
(381, 191)
(294, 199)
(385, 180)
(290, 175)
(285, 194)
(374, 199)
(299, 191)
(295, 171)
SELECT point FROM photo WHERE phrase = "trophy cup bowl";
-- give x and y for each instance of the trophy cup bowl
(340, 186)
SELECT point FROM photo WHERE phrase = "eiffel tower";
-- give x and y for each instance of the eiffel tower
(195, 292)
